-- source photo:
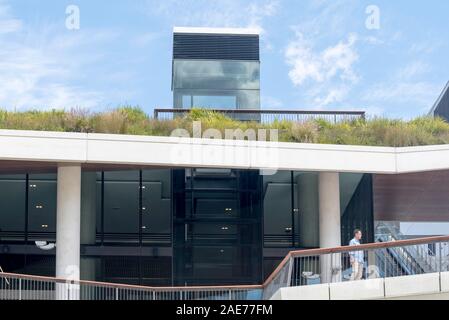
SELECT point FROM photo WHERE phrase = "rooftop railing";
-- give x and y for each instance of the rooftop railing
(268, 116)
(299, 268)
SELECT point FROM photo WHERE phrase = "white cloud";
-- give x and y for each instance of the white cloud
(323, 69)
(413, 69)
(46, 67)
(328, 74)
(374, 111)
(217, 13)
(269, 102)
(8, 24)
(40, 76)
(333, 95)
(145, 39)
(258, 11)
(416, 93)
(407, 87)
(426, 47)
(334, 61)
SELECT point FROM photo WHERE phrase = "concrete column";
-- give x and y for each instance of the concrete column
(88, 222)
(330, 226)
(68, 229)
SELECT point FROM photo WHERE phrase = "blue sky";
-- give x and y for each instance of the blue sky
(316, 54)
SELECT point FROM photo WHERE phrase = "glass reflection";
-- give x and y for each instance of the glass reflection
(229, 99)
(121, 206)
(42, 207)
(221, 75)
(12, 207)
(156, 207)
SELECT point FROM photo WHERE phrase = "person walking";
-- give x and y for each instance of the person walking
(357, 258)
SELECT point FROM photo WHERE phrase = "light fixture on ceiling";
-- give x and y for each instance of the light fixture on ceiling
(44, 245)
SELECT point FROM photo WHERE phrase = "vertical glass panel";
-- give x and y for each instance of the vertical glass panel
(147, 271)
(217, 226)
(278, 218)
(42, 207)
(186, 102)
(218, 102)
(99, 206)
(218, 99)
(156, 206)
(40, 265)
(306, 209)
(121, 207)
(356, 200)
(222, 75)
(12, 207)
(12, 263)
(248, 99)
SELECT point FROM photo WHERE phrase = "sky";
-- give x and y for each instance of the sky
(389, 58)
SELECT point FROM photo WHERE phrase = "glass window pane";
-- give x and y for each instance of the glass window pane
(219, 102)
(278, 209)
(219, 99)
(42, 207)
(12, 207)
(223, 75)
(156, 206)
(121, 207)
(187, 102)
(217, 226)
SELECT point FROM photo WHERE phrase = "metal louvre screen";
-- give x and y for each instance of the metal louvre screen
(213, 46)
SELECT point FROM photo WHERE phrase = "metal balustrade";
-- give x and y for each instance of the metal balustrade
(269, 116)
(299, 268)
(26, 287)
(380, 260)
(424, 257)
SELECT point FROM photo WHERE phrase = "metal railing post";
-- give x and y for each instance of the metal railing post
(20, 289)
(331, 271)
(290, 271)
(116, 294)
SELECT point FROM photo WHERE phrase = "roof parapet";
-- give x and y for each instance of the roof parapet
(224, 31)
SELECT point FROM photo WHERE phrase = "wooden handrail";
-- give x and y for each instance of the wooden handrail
(292, 254)
(124, 286)
(362, 247)
(370, 246)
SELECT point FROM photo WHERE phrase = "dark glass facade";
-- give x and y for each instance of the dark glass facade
(217, 226)
(176, 226)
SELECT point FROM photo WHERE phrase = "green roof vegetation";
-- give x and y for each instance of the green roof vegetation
(134, 121)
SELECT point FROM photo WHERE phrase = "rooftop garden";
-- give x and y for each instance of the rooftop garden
(134, 121)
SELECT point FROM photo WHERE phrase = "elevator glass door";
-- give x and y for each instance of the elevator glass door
(217, 227)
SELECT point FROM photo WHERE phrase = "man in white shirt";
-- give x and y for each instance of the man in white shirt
(357, 257)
